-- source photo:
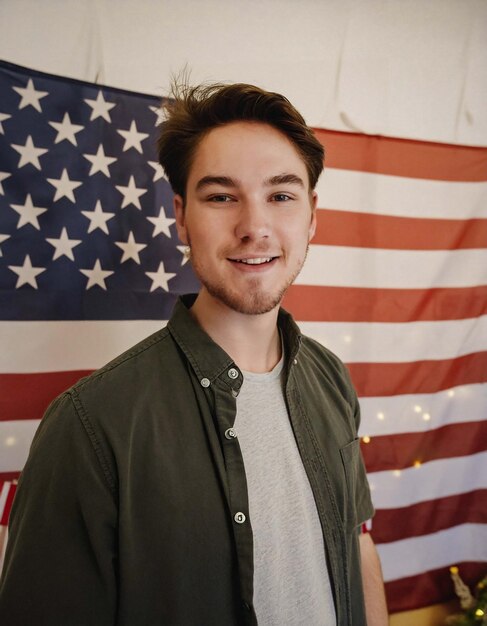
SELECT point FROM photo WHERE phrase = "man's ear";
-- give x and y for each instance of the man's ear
(178, 204)
(312, 225)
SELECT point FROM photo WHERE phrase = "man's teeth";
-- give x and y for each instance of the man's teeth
(255, 261)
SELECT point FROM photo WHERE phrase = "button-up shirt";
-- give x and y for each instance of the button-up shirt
(133, 506)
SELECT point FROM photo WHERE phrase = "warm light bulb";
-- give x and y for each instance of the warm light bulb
(397, 473)
(366, 439)
(10, 441)
(451, 393)
(380, 416)
(347, 338)
(417, 408)
(426, 417)
(479, 613)
(417, 464)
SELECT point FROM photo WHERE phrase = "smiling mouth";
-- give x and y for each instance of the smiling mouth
(255, 261)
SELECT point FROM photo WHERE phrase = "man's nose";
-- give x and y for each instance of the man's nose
(253, 220)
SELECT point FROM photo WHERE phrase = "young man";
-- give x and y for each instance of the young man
(212, 474)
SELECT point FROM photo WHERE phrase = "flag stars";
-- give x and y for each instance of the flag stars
(29, 153)
(27, 273)
(28, 213)
(3, 176)
(96, 276)
(3, 118)
(160, 278)
(100, 107)
(131, 193)
(159, 113)
(100, 162)
(133, 139)
(30, 96)
(131, 249)
(63, 245)
(98, 218)
(64, 186)
(158, 171)
(161, 223)
(66, 130)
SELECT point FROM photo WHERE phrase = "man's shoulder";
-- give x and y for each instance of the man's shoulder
(141, 357)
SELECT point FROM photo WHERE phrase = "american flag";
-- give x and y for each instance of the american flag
(395, 283)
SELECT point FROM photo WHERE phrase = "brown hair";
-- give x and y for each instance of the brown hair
(192, 112)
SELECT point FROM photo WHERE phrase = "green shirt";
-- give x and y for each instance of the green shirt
(132, 508)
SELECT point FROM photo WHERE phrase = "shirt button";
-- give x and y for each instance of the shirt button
(232, 373)
(204, 382)
(295, 361)
(230, 433)
(239, 518)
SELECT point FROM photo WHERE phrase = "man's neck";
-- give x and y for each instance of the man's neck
(252, 341)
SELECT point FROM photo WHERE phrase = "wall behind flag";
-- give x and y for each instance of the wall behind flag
(410, 69)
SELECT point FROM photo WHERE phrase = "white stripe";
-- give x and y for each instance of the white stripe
(29, 347)
(339, 266)
(389, 415)
(416, 555)
(362, 192)
(361, 342)
(3, 496)
(15, 439)
(438, 479)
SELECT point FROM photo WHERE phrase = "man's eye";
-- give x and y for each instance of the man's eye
(221, 197)
(281, 197)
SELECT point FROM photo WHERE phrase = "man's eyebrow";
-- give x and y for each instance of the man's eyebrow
(284, 179)
(221, 181)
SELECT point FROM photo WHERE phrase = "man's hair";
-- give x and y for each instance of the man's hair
(192, 112)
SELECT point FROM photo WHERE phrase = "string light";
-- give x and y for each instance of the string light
(417, 464)
(451, 393)
(10, 441)
(426, 417)
(380, 416)
(397, 473)
(347, 338)
(366, 439)
(417, 408)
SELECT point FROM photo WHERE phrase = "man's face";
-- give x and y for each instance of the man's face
(248, 217)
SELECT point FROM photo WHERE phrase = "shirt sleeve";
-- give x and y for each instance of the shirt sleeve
(60, 562)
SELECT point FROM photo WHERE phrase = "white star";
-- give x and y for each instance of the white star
(133, 138)
(100, 107)
(96, 276)
(161, 223)
(30, 96)
(130, 249)
(29, 153)
(3, 117)
(28, 213)
(131, 193)
(64, 245)
(184, 252)
(98, 218)
(64, 186)
(160, 114)
(100, 162)
(26, 273)
(2, 239)
(66, 130)
(160, 278)
(158, 171)
(3, 176)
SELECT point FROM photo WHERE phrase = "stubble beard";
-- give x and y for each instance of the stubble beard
(255, 301)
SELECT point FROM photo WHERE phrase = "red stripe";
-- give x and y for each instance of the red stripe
(355, 304)
(27, 396)
(429, 588)
(365, 230)
(403, 157)
(8, 505)
(430, 516)
(8, 476)
(390, 379)
(400, 451)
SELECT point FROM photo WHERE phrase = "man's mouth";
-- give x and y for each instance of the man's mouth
(255, 261)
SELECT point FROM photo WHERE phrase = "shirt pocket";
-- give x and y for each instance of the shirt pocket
(350, 455)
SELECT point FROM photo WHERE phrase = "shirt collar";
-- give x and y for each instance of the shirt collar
(206, 357)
